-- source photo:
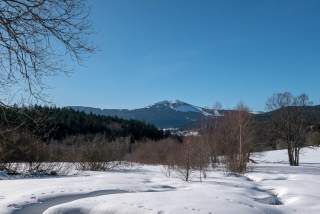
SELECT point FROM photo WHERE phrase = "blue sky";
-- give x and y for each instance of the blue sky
(197, 51)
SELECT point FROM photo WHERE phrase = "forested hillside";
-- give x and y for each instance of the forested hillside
(51, 123)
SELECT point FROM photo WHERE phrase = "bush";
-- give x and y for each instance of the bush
(183, 158)
(155, 152)
(98, 154)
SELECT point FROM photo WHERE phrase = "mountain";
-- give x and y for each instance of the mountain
(182, 115)
(164, 114)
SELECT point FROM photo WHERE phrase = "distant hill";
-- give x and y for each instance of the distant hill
(164, 114)
(311, 113)
(179, 114)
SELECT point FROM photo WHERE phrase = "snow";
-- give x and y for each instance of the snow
(146, 189)
(180, 106)
(298, 187)
(3, 175)
(185, 108)
(257, 112)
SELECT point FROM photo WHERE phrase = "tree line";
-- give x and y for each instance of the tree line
(52, 123)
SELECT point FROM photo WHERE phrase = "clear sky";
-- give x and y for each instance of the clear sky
(198, 51)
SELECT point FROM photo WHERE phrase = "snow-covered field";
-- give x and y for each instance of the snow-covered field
(271, 187)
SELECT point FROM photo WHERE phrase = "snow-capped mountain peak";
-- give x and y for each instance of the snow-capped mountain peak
(180, 106)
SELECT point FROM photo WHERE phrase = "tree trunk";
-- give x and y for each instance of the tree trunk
(296, 156)
(290, 154)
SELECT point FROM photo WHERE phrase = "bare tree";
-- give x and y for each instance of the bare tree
(209, 133)
(231, 137)
(185, 160)
(203, 156)
(217, 106)
(209, 136)
(288, 122)
(243, 120)
(35, 37)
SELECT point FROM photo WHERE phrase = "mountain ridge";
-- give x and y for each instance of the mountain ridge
(163, 114)
(175, 114)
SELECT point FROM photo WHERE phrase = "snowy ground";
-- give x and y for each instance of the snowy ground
(271, 187)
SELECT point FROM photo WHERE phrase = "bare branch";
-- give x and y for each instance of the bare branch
(35, 38)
